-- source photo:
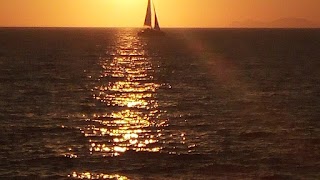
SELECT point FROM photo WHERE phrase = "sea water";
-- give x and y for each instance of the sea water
(195, 104)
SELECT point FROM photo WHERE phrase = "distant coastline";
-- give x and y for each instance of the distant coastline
(278, 23)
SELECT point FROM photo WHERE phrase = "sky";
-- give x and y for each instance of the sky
(171, 13)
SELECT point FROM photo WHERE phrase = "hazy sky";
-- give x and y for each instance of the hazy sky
(171, 13)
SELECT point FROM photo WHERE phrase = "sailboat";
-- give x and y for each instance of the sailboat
(149, 30)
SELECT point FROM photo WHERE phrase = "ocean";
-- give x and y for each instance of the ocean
(103, 103)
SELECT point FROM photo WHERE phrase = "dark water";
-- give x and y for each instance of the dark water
(197, 104)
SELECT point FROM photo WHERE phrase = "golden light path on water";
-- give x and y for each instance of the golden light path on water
(128, 116)
(88, 175)
(127, 89)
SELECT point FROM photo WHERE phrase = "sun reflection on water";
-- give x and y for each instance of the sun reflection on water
(127, 88)
(88, 175)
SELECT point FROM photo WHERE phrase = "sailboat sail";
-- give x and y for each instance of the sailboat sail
(147, 21)
(156, 23)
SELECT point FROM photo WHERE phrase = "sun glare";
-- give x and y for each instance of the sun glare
(128, 2)
(128, 13)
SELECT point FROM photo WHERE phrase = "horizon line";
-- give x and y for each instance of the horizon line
(166, 27)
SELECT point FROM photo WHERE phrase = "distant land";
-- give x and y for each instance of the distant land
(278, 23)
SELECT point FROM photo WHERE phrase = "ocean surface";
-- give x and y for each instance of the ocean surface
(196, 104)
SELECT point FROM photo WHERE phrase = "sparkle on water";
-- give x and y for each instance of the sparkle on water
(126, 85)
(133, 89)
(88, 175)
(132, 120)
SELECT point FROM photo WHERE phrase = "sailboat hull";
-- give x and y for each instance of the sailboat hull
(150, 33)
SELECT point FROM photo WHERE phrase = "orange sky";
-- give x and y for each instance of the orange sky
(171, 13)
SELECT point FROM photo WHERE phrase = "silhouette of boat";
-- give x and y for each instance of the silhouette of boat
(149, 30)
